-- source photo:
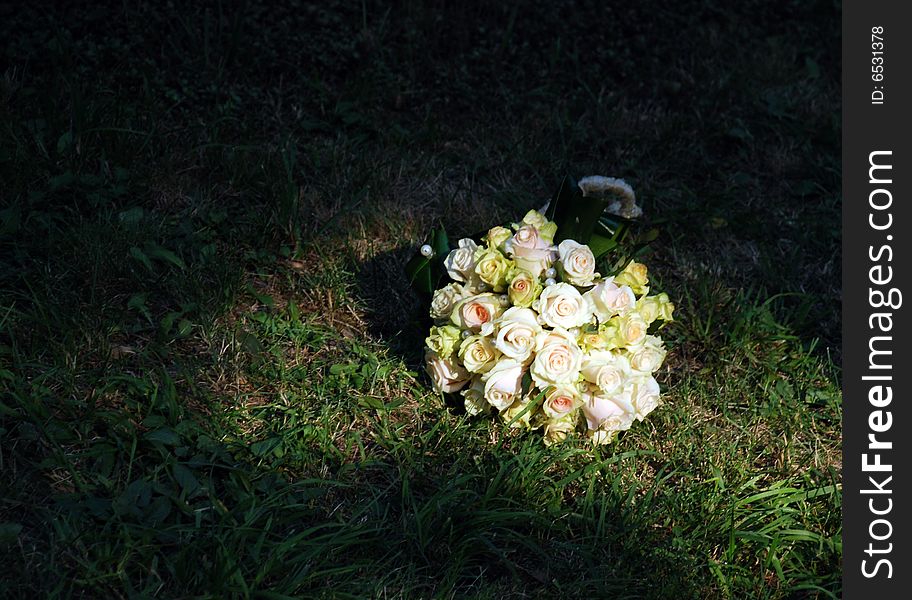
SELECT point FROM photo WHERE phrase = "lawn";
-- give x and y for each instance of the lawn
(210, 360)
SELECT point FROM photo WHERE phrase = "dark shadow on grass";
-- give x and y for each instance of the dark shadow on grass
(395, 313)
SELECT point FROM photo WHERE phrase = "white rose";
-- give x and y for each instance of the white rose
(561, 305)
(446, 375)
(609, 299)
(557, 362)
(517, 331)
(577, 263)
(474, 397)
(648, 357)
(473, 312)
(609, 413)
(477, 353)
(560, 401)
(645, 397)
(530, 252)
(503, 383)
(460, 263)
(607, 370)
(445, 300)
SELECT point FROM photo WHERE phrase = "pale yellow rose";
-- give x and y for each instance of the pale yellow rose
(535, 219)
(631, 330)
(478, 354)
(492, 268)
(548, 231)
(524, 289)
(557, 430)
(590, 340)
(634, 275)
(516, 410)
(497, 236)
(443, 340)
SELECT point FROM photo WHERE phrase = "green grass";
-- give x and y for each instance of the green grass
(210, 379)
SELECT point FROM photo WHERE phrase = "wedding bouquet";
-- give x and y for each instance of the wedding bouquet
(525, 327)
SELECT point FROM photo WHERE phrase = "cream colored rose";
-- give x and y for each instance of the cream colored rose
(478, 354)
(515, 411)
(592, 340)
(524, 289)
(653, 308)
(443, 340)
(561, 305)
(649, 308)
(609, 299)
(560, 401)
(475, 311)
(647, 357)
(503, 383)
(609, 371)
(446, 375)
(606, 412)
(530, 252)
(535, 219)
(634, 275)
(474, 399)
(497, 236)
(631, 330)
(557, 430)
(460, 262)
(492, 267)
(646, 397)
(557, 362)
(445, 300)
(546, 229)
(517, 332)
(577, 263)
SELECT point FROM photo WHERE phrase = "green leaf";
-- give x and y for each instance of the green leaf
(131, 216)
(64, 142)
(156, 251)
(185, 478)
(164, 435)
(184, 327)
(141, 257)
(264, 447)
(138, 302)
(424, 273)
(601, 245)
(576, 216)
